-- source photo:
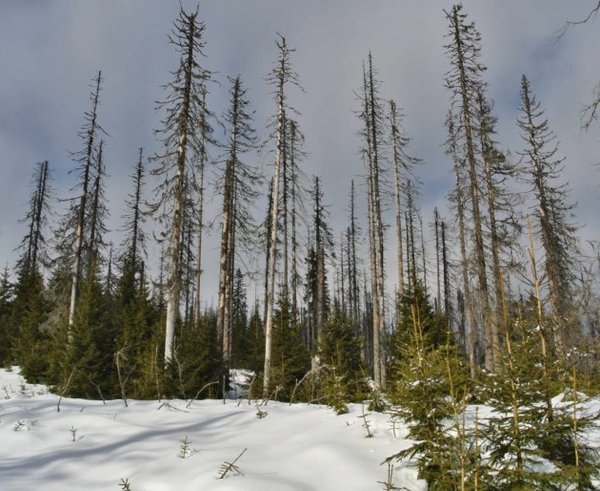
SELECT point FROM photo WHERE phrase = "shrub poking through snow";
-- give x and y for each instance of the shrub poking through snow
(184, 447)
(230, 467)
(366, 423)
(19, 425)
(335, 390)
(260, 414)
(388, 484)
(125, 485)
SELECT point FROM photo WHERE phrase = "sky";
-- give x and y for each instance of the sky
(51, 49)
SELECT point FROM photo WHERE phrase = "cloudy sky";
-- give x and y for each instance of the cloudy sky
(51, 49)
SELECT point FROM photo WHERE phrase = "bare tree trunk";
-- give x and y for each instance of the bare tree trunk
(470, 338)
(284, 215)
(270, 293)
(436, 225)
(174, 269)
(376, 226)
(423, 260)
(294, 237)
(446, 274)
(489, 327)
(352, 261)
(94, 218)
(397, 197)
(471, 341)
(91, 134)
(35, 235)
(342, 275)
(200, 218)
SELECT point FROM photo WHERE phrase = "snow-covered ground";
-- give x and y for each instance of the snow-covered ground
(183, 445)
(89, 445)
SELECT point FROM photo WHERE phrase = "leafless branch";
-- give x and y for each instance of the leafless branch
(571, 23)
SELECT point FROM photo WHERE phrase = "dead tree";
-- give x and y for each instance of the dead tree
(239, 191)
(184, 122)
(464, 80)
(371, 115)
(84, 158)
(281, 77)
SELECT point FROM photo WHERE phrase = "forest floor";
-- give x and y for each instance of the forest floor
(186, 445)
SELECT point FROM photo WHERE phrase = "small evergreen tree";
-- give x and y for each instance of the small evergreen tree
(342, 376)
(241, 336)
(31, 340)
(6, 328)
(527, 430)
(428, 381)
(291, 360)
(255, 344)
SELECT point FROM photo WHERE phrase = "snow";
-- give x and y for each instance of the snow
(90, 446)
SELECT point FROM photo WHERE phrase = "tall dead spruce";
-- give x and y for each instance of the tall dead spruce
(180, 164)
(239, 191)
(464, 81)
(402, 165)
(552, 209)
(85, 160)
(371, 115)
(34, 243)
(280, 77)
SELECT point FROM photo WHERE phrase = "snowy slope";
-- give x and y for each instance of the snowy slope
(298, 447)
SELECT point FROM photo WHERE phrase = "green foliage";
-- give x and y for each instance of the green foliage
(528, 427)
(255, 343)
(290, 358)
(433, 328)
(377, 401)
(29, 313)
(241, 334)
(7, 334)
(196, 363)
(341, 378)
(428, 379)
(91, 344)
(335, 389)
(140, 321)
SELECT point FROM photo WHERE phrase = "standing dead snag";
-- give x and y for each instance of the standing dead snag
(371, 115)
(465, 81)
(552, 208)
(85, 158)
(37, 215)
(402, 165)
(184, 148)
(239, 191)
(281, 76)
